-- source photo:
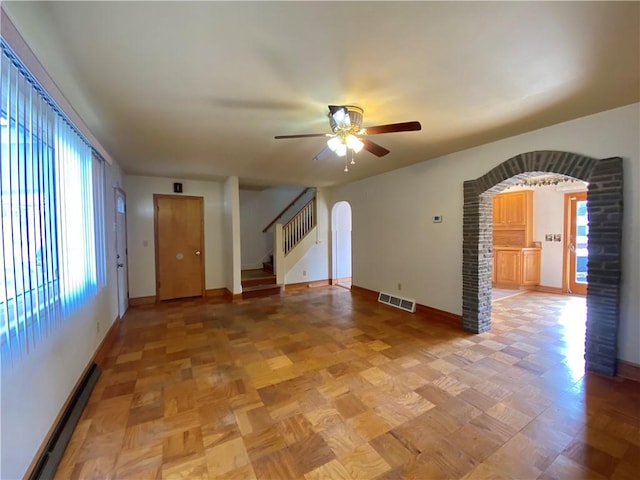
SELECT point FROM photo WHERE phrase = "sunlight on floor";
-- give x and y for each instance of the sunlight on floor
(573, 319)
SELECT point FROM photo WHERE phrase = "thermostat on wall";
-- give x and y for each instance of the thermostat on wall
(437, 219)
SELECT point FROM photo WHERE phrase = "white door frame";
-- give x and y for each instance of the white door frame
(337, 245)
(122, 262)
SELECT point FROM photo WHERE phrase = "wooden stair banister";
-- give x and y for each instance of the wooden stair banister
(298, 227)
(288, 236)
(284, 210)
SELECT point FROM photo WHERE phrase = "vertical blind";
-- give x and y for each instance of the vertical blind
(52, 257)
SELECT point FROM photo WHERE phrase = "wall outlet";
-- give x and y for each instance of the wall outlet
(304, 273)
(399, 286)
(98, 326)
(437, 219)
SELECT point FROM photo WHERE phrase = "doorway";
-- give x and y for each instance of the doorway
(341, 227)
(605, 178)
(179, 241)
(576, 243)
(122, 276)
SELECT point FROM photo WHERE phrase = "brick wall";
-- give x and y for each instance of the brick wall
(605, 232)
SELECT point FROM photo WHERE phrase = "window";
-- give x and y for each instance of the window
(52, 234)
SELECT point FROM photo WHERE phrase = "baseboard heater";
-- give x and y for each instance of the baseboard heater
(402, 303)
(48, 462)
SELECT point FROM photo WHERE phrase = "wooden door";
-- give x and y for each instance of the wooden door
(179, 227)
(576, 242)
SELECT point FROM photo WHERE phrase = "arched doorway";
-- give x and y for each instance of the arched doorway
(605, 216)
(341, 253)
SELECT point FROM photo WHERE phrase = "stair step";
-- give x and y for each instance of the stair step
(261, 291)
(252, 282)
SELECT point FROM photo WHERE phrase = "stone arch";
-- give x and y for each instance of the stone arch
(604, 207)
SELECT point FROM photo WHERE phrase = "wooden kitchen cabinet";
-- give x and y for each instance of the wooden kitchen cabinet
(508, 271)
(513, 209)
(494, 271)
(516, 261)
(518, 209)
(516, 267)
(513, 218)
(530, 267)
(499, 214)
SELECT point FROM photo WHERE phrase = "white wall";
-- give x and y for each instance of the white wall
(257, 209)
(36, 386)
(548, 217)
(395, 241)
(341, 234)
(231, 236)
(314, 265)
(140, 230)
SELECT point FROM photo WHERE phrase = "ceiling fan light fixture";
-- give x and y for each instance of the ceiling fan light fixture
(333, 143)
(340, 116)
(345, 119)
(346, 128)
(354, 143)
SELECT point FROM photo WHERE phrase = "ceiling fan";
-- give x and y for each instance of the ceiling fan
(348, 134)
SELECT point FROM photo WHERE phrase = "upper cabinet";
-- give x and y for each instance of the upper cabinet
(513, 218)
(513, 209)
(516, 262)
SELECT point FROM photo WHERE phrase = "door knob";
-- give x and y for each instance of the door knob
(198, 252)
(120, 265)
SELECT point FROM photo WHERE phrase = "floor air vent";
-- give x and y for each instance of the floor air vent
(402, 303)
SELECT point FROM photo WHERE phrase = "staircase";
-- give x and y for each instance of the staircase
(299, 219)
(268, 265)
(259, 283)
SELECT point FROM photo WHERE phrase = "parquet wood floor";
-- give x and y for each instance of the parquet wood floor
(326, 384)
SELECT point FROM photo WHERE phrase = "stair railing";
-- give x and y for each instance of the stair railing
(285, 209)
(297, 228)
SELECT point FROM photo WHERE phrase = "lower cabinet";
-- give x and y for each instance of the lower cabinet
(530, 267)
(516, 267)
(508, 267)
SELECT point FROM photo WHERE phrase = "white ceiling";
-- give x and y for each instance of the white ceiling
(199, 89)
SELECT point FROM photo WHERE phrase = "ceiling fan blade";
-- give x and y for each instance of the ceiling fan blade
(323, 154)
(394, 127)
(374, 148)
(304, 135)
